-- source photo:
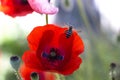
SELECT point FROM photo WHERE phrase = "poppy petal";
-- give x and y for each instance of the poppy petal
(73, 46)
(78, 45)
(46, 39)
(72, 66)
(15, 8)
(43, 6)
(37, 34)
(34, 37)
(30, 59)
(25, 73)
(65, 44)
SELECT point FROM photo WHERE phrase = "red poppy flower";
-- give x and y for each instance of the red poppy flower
(54, 49)
(26, 72)
(15, 7)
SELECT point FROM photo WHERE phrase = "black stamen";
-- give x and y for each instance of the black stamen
(52, 50)
(60, 57)
(24, 2)
(53, 55)
(44, 55)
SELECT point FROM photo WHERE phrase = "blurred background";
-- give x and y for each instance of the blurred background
(97, 19)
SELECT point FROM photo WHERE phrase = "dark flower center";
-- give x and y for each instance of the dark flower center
(24, 1)
(53, 55)
(49, 1)
(20, 2)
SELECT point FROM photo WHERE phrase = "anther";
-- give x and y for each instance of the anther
(60, 57)
(44, 55)
(52, 55)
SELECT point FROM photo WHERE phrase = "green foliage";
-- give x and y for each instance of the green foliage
(118, 38)
(10, 76)
(14, 47)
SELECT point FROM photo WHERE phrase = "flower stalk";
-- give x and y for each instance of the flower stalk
(46, 18)
(59, 77)
(18, 75)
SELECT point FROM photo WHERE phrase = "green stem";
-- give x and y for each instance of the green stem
(62, 77)
(46, 19)
(18, 75)
(59, 77)
(90, 37)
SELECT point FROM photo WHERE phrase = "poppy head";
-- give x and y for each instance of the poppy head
(15, 7)
(54, 49)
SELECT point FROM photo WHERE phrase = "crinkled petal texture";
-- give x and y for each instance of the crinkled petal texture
(52, 51)
(25, 73)
(15, 7)
(43, 6)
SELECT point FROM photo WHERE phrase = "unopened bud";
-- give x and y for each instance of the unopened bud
(115, 71)
(67, 5)
(34, 76)
(15, 62)
(118, 38)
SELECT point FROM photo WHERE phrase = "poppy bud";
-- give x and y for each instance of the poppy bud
(118, 38)
(115, 71)
(15, 62)
(67, 5)
(34, 76)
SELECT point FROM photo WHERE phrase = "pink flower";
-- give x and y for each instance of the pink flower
(43, 6)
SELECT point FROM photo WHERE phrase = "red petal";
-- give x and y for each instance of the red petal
(26, 72)
(78, 45)
(73, 46)
(40, 32)
(46, 39)
(66, 46)
(15, 8)
(34, 37)
(30, 59)
(72, 66)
